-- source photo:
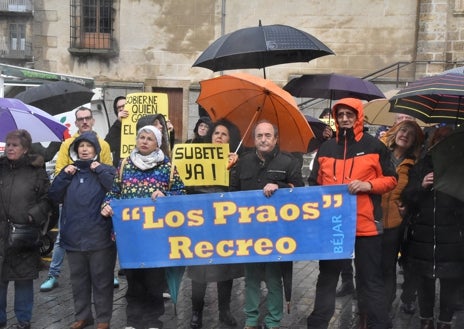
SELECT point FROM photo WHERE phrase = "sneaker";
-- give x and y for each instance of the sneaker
(166, 295)
(22, 325)
(116, 282)
(49, 284)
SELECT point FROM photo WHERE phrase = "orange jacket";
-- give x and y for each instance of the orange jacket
(391, 215)
(354, 155)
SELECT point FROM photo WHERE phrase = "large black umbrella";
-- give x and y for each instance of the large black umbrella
(56, 97)
(439, 98)
(261, 46)
(448, 164)
(333, 86)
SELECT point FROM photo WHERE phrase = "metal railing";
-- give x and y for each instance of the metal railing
(19, 53)
(16, 6)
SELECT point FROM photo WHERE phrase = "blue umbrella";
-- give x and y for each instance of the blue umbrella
(174, 279)
(14, 114)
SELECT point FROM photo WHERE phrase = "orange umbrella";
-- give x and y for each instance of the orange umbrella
(245, 99)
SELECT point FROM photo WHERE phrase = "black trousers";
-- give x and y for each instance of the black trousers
(449, 291)
(144, 297)
(369, 286)
(224, 291)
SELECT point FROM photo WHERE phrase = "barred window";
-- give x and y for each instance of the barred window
(91, 24)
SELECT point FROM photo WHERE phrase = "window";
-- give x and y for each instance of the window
(17, 37)
(91, 24)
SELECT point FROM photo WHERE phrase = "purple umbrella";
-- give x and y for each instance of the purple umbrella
(333, 86)
(43, 127)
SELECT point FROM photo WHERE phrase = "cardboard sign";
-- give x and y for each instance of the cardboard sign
(202, 164)
(139, 105)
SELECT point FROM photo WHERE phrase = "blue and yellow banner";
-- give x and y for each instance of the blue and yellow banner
(304, 223)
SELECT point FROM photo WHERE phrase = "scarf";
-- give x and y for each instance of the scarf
(144, 162)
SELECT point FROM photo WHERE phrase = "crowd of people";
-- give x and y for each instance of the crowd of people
(398, 212)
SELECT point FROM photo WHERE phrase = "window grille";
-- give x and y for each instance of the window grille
(91, 24)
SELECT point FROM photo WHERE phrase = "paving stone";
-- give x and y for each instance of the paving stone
(54, 309)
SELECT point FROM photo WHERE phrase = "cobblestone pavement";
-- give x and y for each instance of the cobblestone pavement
(54, 309)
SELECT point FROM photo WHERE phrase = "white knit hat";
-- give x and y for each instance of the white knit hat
(154, 130)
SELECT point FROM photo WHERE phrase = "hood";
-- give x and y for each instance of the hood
(204, 119)
(358, 127)
(88, 136)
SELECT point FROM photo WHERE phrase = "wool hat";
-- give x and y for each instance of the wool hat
(154, 130)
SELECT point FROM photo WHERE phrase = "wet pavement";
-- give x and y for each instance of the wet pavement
(54, 309)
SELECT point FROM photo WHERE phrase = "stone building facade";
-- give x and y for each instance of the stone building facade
(150, 45)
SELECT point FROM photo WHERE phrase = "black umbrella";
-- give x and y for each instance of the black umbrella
(333, 86)
(56, 97)
(318, 127)
(261, 46)
(287, 279)
(448, 164)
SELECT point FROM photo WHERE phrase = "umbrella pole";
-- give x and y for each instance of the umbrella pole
(248, 129)
(457, 113)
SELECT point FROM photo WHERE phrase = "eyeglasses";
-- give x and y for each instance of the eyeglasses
(81, 119)
(350, 115)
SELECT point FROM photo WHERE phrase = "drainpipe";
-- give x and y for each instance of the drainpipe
(223, 18)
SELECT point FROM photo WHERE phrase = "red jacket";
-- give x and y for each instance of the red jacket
(355, 155)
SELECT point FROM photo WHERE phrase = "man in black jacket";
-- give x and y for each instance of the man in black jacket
(268, 169)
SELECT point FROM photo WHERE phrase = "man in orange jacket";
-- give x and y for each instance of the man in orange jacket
(361, 162)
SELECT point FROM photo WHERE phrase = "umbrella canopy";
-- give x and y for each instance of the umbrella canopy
(438, 98)
(261, 46)
(14, 114)
(56, 97)
(174, 279)
(457, 70)
(333, 86)
(244, 99)
(448, 164)
(317, 126)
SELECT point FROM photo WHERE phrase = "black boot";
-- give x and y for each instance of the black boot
(197, 320)
(443, 325)
(347, 288)
(427, 324)
(227, 318)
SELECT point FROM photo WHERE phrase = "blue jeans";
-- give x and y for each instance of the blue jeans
(23, 300)
(58, 254)
(57, 258)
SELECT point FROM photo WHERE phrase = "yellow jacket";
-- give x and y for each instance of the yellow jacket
(64, 159)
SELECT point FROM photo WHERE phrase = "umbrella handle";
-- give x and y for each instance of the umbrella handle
(248, 128)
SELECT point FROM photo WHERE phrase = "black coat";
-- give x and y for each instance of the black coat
(434, 245)
(114, 140)
(23, 193)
